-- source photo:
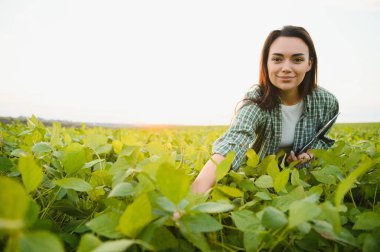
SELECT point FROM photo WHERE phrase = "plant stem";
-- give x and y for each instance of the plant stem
(374, 198)
(352, 198)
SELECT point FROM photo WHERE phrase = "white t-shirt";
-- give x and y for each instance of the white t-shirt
(290, 116)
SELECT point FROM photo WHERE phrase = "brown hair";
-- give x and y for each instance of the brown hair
(268, 92)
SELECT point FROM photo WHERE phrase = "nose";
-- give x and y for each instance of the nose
(286, 67)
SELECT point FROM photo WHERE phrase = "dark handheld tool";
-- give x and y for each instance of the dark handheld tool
(320, 133)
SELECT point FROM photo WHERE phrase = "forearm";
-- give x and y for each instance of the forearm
(206, 178)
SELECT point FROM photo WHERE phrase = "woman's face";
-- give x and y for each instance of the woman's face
(288, 62)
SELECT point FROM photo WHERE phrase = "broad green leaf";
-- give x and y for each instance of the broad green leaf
(367, 221)
(327, 175)
(14, 204)
(224, 167)
(301, 211)
(272, 169)
(114, 246)
(273, 218)
(325, 229)
(253, 158)
(5, 164)
(263, 196)
(281, 180)
(136, 216)
(172, 182)
(42, 147)
(88, 243)
(31, 214)
(199, 222)
(95, 140)
(230, 191)
(145, 184)
(37, 241)
(213, 207)
(76, 184)
(331, 213)
(245, 220)
(31, 172)
(197, 239)
(165, 204)
(346, 184)
(295, 177)
(105, 225)
(163, 234)
(264, 181)
(73, 158)
(121, 190)
(253, 238)
(117, 146)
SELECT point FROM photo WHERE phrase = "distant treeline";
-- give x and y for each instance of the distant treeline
(66, 123)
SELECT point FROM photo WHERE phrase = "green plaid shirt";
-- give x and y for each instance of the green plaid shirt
(261, 129)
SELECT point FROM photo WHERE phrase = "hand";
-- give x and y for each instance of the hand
(302, 158)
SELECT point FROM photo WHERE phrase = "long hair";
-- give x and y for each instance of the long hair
(268, 92)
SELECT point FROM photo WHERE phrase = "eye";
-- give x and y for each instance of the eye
(276, 59)
(299, 60)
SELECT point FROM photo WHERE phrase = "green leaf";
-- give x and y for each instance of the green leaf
(224, 167)
(325, 229)
(367, 221)
(197, 239)
(295, 177)
(165, 204)
(301, 211)
(92, 163)
(263, 196)
(331, 213)
(14, 204)
(31, 214)
(213, 207)
(105, 225)
(114, 246)
(73, 158)
(42, 147)
(281, 180)
(95, 140)
(253, 158)
(31, 173)
(273, 218)
(272, 169)
(88, 243)
(346, 184)
(264, 181)
(230, 191)
(199, 222)
(327, 175)
(172, 182)
(38, 241)
(121, 190)
(76, 184)
(136, 216)
(245, 220)
(5, 164)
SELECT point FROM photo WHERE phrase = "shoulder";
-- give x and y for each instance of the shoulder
(323, 96)
(254, 93)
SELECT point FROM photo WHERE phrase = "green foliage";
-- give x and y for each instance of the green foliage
(95, 189)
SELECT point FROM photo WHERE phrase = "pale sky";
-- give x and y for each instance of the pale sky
(173, 61)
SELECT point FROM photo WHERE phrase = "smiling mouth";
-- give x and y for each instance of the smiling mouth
(285, 77)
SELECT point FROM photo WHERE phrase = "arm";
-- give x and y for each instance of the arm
(206, 178)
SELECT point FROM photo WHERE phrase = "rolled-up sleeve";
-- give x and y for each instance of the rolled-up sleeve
(240, 135)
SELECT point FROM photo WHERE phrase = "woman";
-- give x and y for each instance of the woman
(284, 111)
